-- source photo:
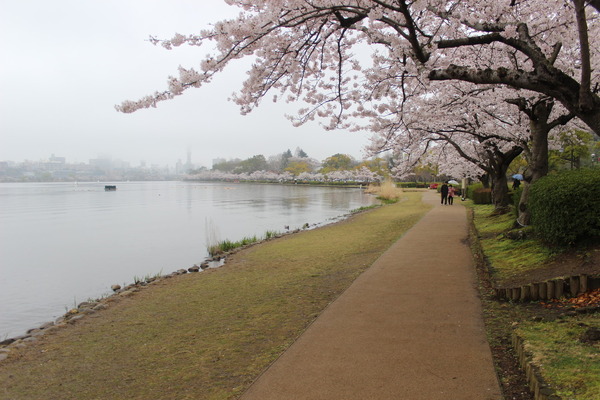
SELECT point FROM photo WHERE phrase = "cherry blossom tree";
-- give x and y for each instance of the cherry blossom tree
(307, 50)
(362, 175)
(477, 124)
(467, 131)
(539, 111)
(317, 53)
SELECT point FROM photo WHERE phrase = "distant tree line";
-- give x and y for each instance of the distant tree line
(299, 163)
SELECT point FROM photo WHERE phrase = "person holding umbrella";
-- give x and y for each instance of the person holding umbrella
(517, 178)
(451, 193)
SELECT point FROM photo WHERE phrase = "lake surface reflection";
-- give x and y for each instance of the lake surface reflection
(63, 243)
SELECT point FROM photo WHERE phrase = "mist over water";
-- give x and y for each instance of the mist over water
(64, 243)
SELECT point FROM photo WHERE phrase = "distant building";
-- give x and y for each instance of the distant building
(188, 165)
(179, 169)
(57, 160)
(101, 163)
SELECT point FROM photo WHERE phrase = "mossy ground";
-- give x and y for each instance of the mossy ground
(570, 364)
(508, 259)
(207, 335)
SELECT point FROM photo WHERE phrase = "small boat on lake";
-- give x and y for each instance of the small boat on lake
(110, 188)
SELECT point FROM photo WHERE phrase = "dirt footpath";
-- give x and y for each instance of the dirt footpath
(408, 328)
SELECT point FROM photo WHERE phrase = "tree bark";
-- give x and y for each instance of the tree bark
(537, 155)
(498, 163)
(485, 180)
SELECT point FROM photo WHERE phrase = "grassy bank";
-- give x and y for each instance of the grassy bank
(508, 259)
(207, 335)
(554, 333)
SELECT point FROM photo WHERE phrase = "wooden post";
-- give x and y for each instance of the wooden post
(550, 290)
(543, 290)
(535, 291)
(515, 294)
(559, 288)
(583, 283)
(574, 286)
(500, 293)
(525, 292)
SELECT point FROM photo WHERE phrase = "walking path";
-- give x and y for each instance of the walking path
(409, 328)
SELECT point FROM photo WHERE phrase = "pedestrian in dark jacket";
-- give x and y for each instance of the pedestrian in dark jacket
(444, 192)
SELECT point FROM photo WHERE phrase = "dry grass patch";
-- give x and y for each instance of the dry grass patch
(387, 191)
(210, 334)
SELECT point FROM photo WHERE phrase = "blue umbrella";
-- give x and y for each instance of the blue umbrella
(518, 176)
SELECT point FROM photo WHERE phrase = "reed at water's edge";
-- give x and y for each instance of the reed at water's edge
(386, 191)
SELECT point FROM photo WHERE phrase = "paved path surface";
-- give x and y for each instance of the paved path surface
(408, 328)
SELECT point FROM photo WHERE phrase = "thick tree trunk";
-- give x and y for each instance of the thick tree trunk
(485, 180)
(500, 186)
(499, 163)
(537, 158)
(500, 194)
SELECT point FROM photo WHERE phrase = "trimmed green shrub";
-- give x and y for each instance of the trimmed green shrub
(565, 207)
(472, 188)
(410, 185)
(482, 196)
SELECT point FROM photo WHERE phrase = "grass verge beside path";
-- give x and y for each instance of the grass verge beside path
(207, 335)
(554, 333)
(508, 259)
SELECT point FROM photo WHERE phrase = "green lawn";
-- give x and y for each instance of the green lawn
(508, 258)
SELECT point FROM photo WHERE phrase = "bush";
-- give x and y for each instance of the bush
(482, 196)
(565, 208)
(471, 188)
(479, 194)
(411, 185)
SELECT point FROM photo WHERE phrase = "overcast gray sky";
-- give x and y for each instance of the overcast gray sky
(64, 64)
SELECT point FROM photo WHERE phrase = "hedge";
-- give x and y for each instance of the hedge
(479, 194)
(482, 196)
(565, 207)
(409, 185)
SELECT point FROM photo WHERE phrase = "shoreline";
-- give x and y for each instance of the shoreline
(91, 305)
(250, 280)
(76, 260)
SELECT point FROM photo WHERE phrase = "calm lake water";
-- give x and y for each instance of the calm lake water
(63, 243)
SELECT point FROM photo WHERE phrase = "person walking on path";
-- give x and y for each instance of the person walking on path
(444, 193)
(409, 327)
(516, 184)
(451, 193)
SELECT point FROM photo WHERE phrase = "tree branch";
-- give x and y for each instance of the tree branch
(595, 4)
(586, 102)
(470, 41)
